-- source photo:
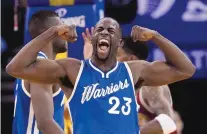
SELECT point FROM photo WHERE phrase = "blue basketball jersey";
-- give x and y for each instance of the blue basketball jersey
(104, 103)
(24, 120)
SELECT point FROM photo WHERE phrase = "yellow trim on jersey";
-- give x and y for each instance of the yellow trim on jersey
(67, 121)
(61, 55)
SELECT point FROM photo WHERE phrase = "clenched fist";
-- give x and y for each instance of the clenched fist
(67, 33)
(141, 33)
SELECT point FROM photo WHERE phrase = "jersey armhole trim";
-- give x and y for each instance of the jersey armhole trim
(143, 102)
(25, 90)
(40, 57)
(132, 81)
(29, 95)
(71, 118)
(56, 93)
(44, 55)
(76, 82)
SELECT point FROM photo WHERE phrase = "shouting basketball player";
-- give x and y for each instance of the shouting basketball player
(103, 98)
(153, 101)
(38, 107)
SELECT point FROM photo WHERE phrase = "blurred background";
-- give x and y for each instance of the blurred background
(182, 21)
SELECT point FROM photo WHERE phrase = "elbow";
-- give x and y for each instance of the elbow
(190, 71)
(10, 69)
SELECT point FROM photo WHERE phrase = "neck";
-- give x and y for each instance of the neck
(106, 65)
(48, 50)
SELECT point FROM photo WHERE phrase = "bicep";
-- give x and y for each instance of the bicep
(42, 71)
(42, 101)
(159, 73)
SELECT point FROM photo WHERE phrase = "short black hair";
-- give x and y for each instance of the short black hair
(138, 48)
(38, 21)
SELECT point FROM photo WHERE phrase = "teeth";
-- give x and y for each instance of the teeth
(104, 41)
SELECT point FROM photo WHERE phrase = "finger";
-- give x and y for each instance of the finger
(92, 30)
(72, 40)
(84, 35)
(143, 36)
(88, 33)
(133, 35)
(74, 32)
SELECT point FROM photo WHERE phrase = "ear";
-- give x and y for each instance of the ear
(121, 44)
(132, 57)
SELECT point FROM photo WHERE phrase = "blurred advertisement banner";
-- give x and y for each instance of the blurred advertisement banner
(83, 16)
(196, 53)
(182, 21)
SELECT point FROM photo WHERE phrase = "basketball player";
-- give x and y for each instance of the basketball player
(103, 98)
(39, 107)
(153, 101)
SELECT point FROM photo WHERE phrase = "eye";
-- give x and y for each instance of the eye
(111, 30)
(99, 29)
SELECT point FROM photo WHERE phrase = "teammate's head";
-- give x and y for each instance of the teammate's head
(132, 50)
(106, 39)
(43, 20)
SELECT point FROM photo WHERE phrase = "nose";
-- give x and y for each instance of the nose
(104, 32)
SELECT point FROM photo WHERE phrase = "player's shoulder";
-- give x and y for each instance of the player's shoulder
(137, 64)
(68, 62)
(136, 68)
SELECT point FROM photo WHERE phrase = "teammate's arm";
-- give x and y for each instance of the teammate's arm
(25, 65)
(42, 102)
(177, 66)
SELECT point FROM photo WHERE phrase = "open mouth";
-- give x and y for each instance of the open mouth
(103, 44)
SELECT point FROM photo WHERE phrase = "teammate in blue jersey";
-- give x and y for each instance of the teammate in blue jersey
(39, 107)
(103, 99)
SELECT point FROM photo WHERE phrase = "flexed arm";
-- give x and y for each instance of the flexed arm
(25, 65)
(176, 67)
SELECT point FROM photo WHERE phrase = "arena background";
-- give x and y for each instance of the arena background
(184, 22)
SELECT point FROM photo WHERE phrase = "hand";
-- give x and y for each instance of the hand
(87, 36)
(141, 33)
(67, 33)
(88, 48)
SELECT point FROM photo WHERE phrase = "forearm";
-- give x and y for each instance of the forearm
(152, 127)
(42, 102)
(28, 54)
(50, 127)
(174, 55)
(162, 124)
(87, 51)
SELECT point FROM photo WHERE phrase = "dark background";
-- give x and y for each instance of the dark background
(189, 96)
